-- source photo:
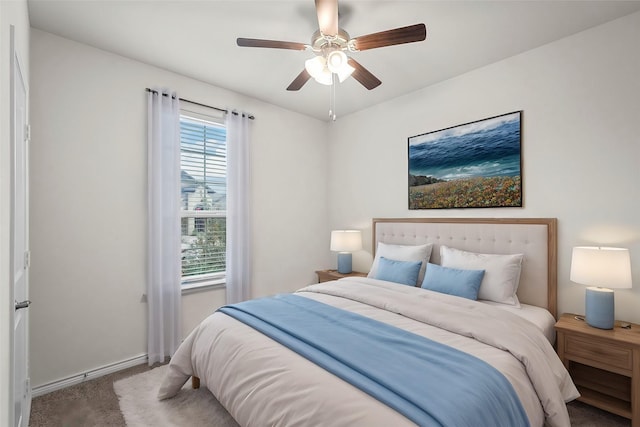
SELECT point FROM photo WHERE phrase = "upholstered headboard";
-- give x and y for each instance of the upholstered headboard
(534, 237)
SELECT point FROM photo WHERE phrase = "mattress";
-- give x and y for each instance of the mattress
(261, 382)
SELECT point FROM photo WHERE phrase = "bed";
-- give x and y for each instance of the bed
(262, 380)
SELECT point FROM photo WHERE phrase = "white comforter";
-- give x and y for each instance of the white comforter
(262, 383)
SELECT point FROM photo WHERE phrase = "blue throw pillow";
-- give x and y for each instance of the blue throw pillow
(453, 281)
(404, 272)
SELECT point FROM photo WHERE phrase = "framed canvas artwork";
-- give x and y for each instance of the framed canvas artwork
(473, 165)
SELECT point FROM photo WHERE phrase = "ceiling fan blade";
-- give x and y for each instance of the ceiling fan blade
(275, 44)
(410, 34)
(363, 75)
(327, 11)
(299, 81)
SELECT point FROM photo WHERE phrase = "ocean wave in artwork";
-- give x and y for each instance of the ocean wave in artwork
(467, 151)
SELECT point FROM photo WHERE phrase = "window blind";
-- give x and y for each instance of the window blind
(203, 164)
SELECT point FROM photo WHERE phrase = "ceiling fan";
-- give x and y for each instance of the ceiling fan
(331, 42)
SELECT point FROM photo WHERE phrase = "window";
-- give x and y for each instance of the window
(203, 192)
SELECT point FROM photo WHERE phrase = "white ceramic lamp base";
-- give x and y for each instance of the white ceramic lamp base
(344, 262)
(599, 308)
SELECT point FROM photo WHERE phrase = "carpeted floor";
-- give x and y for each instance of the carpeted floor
(91, 403)
(94, 403)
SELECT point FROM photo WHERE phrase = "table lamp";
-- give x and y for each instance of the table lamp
(344, 242)
(600, 269)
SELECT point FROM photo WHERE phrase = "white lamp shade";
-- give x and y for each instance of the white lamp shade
(346, 240)
(601, 266)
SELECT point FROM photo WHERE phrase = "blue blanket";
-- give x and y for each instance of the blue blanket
(430, 383)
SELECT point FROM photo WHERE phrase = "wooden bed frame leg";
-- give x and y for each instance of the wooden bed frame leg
(195, 382)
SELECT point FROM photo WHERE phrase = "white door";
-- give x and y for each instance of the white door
(19, 242)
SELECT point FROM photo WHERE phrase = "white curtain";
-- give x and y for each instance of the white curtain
(163, 211)
(238, 208)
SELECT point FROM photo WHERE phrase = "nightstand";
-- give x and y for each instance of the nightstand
(326, 275)
(604, 364)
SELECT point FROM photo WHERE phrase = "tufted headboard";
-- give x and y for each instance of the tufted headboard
(536, 238)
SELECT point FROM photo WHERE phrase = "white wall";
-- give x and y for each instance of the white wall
(15, 14)
(581, 147)
(88, 203)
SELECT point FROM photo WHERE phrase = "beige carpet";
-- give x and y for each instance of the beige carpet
(141, 408)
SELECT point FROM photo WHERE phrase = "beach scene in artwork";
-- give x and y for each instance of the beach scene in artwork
(468, 166)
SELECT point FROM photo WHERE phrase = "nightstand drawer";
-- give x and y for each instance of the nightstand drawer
(599, 351)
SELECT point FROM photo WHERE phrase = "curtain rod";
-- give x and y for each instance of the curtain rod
(251, 116)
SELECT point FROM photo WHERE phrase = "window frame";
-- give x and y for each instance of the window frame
(200, 282)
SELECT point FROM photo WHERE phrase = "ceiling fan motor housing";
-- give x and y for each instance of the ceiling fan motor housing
(321, 42)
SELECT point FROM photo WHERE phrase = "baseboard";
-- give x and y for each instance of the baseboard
(89, 375)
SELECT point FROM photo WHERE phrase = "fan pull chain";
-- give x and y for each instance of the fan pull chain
(332, 98)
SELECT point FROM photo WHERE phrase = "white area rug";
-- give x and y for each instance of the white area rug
(141, 407)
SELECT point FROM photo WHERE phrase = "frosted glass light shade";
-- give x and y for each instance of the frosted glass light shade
(601, 266)
(345, 72)
(315, 66)
(336, 60)
(325, 77)
(346, 240)
(322, 69)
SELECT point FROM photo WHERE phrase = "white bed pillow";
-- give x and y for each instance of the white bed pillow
(402, 253)
(501, 272)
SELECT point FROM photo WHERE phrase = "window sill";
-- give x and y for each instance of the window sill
(201, 286)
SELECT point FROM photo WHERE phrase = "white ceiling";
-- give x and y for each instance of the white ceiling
(196, 38)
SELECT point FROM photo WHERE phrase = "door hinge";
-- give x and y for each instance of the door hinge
(27, 259)
(27, 133)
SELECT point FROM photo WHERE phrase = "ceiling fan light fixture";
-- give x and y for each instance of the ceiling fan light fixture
(330, 42)
(336, 60)
(315, 66)
(345, 72)
(325, 77)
